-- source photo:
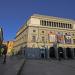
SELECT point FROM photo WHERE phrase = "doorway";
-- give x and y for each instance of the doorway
(60, 53)
(68, 53)
(52, 53)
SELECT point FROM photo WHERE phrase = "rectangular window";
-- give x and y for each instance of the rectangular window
(33, 38)
(70, 26)
(44, 23)
(54, 24)
(42, 31)
(63, 25)
(41, 22)
(49, 23)
(57, 24)
(34, 30)
(66, 26)
(73, 41)
(43, 39)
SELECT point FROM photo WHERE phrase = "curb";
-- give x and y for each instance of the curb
(19, 72)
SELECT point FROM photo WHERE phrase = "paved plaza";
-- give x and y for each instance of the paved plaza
(49, 67)
(12, 66)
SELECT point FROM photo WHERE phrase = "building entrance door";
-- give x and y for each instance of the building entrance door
(68, 53)
(32, 53)
(60, 53)
(42, 53)
(74, 52)
(52, 52)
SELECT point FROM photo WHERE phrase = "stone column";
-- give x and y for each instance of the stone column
(56, 53)
(48, 54)
(65, 53)
(72, 49)
(74, 52)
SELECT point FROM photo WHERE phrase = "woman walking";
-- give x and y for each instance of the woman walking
(4, 54)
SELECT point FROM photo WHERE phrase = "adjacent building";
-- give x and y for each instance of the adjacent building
(1, 35)
(10, 48)
(9, 45)
(46, 37)
(1, 39)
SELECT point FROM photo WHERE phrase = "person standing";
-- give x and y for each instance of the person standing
(0, 52)
(4, 54)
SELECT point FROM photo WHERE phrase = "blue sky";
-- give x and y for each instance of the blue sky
(14, 13)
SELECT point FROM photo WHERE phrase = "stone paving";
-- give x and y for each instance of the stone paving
(12, 66)
(49, 67)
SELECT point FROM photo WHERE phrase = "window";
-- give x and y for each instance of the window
(49, 23)
(59, 24)
(33, 38)
(72, 34)
(42, 31)
(73, 41)
(54, 24)
(41, 22)
(44, 23)
(66, 26)
(70, 26)
(43, 39)
(63, 25)
(34, 30)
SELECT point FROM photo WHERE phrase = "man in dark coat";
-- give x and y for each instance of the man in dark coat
(4, 53)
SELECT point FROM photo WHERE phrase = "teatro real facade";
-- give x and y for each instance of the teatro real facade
(46, 37)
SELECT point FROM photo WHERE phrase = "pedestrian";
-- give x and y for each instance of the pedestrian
(4, 54)
(0, 52)
(60, 53)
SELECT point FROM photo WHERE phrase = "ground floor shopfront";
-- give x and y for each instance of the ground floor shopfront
(51, 53)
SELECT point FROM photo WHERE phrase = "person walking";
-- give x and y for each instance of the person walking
(4, 54)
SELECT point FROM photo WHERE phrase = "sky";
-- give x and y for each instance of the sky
(14, 13)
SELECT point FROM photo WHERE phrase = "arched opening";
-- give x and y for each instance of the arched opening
(42, 53)
(52, 52)
(60, 53)
(46, 55)
(68, 53)
(74, 52)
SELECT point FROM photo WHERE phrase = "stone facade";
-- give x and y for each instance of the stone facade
(44, 32)
(1, 35)
(10, 48)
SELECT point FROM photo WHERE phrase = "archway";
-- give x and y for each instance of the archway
(74, 52)
(68, 53)
(52, 52)
(42, 53)
(60, 53)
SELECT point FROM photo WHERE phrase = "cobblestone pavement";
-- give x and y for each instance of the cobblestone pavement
(11, 67)
(46, 67)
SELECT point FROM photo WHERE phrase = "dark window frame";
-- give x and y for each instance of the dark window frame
(33, 38)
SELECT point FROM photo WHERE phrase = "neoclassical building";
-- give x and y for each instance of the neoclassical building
(1, 35)
(46, 37)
